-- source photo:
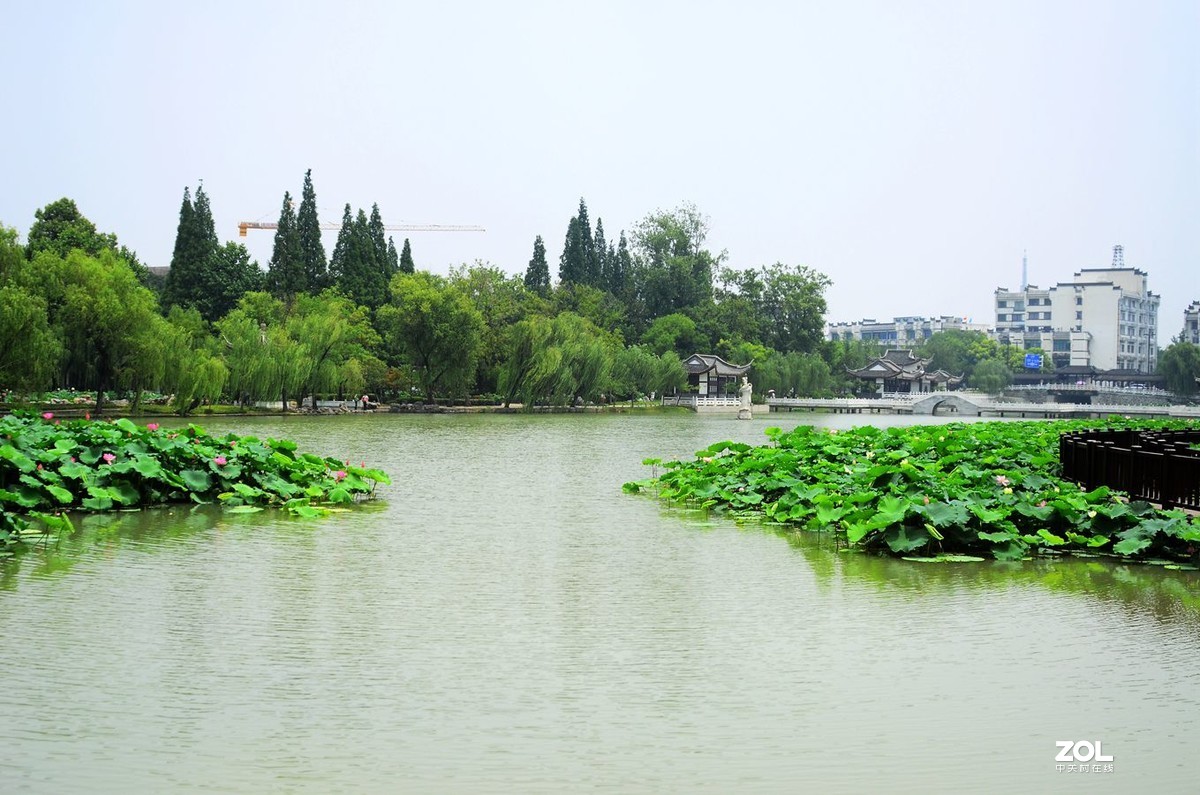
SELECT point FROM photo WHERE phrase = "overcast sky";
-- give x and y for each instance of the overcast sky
(911, 151)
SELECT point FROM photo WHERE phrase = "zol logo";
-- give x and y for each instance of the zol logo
(1080, 751)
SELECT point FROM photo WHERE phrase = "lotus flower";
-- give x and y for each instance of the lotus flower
(49, 415)
(220, 461)
(152, 426)
(1001, 480)
(340, 475)
(108, 458)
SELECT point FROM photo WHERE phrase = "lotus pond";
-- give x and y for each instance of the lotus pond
(502, 618)
(935, 493)
(49, 467)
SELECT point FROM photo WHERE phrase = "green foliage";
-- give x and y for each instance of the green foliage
(981, 488)
(432, 326)
(357, 267)
(674, 270)
(82, 465)
(406, 258)
(308, 234)
(286, 275)
(990, 376)
(537, 275)
(195, 245)
(60, 228)
(1179, 365)
(675, 333)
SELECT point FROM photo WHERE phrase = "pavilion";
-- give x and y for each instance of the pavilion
(901, 371)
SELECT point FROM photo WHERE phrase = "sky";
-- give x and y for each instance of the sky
(911, 151)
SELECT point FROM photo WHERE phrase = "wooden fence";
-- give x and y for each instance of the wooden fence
(1156, 466)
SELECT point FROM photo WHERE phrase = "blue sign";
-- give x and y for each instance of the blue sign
(1033, 361)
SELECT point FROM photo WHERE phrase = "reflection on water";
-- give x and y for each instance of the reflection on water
(507, 619)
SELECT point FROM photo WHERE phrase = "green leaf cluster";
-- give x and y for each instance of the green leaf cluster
(986, 488)
(50, 468)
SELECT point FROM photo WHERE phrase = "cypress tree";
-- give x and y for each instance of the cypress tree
(570, 263)
(195, 246)
(393, 260)
(577, 263)
(378, 236)
(285, 273)
(406, 259)
(598, 264)
(537, 275)
(621, 268)
(361, 275)
(312, 250)
(338, 260)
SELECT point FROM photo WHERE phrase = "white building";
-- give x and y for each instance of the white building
(1105, 318)
(900, 332)
(1191, 323)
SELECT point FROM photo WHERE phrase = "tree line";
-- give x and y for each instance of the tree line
(78, 309)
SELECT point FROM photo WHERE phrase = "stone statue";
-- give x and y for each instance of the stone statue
(744, 392)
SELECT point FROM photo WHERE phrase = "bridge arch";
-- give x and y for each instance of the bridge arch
(956, 403)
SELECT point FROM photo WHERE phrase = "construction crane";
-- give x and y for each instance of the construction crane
(244, 226)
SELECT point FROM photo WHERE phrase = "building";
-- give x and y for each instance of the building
(900, 332)
(900, 371)
(1191, 323)
(1106, 318)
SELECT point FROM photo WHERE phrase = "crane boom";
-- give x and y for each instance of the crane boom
(244, 226)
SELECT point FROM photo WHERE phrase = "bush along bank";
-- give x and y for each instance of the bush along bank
(931, 492)
(50, 467)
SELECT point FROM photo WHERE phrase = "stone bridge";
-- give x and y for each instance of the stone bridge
(945, 403)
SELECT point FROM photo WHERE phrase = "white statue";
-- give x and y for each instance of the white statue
(744, 391)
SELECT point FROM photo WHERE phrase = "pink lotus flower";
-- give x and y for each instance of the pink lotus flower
(87, 415)
(339, 475)
(220, 461)
(49, 415)
(108, 458)
(1001, 480)
(152, 426)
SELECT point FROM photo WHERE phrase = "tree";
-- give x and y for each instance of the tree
(557, 361)
(598, 265)
(335, 338)
(957, 351)
(501, 301)
(231, 275)
(1179, 364)
(195, 244)
(674, 333)
(990, 376)
(393, 259)
(359, 272)
(286, 272)
(794, 307)
(674, 269)
(194, 372)
(60, 228)
(109, 323)
(29, 349)
(308, 232)
(342, 247)
(433, 326)
(406, 258)
(379, 240)
(537, 275)
(577, 264)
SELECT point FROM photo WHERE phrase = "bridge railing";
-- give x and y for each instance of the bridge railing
(1157, 466)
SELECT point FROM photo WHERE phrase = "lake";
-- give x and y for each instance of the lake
(505, 619)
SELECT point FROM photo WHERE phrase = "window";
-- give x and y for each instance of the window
(1079, 300)
(1001, 318)
(1079, 316)
(1001, 304)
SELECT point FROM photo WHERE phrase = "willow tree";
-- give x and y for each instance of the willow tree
(557, 361)
(336, 338)
(194, 371)
(433, 327)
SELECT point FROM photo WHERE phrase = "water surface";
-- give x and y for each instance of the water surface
(507, 620)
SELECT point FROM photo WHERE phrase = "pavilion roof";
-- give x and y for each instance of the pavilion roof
(707, 362)
(894, 364)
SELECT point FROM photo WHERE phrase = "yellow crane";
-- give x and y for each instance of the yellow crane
(244, 226)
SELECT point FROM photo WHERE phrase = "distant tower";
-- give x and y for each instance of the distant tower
(1118, 256)
(1024, 271)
